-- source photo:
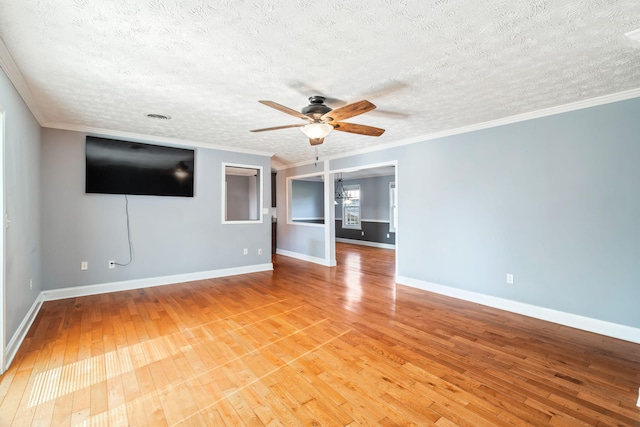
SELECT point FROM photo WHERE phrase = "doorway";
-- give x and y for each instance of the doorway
(365, 208)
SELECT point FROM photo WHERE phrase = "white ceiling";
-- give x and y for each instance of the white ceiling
(429, 66)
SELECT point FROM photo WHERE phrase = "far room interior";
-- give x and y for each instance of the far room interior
(366, 197)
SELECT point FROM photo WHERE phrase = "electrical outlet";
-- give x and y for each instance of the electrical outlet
(510, 279)
(363, 233)
(387, 235)
(84, 265)
(30, 283)
(112, 264)
(246, 251)
(260, 251)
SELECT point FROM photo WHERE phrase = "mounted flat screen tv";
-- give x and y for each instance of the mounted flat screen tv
(122, 167)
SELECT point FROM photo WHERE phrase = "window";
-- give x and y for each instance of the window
(241, 193)
(351, 207)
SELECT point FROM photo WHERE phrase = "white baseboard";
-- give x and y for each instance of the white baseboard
(21, 333)
(103, 288)
(309, 258)
(601, 327)
(366, 243)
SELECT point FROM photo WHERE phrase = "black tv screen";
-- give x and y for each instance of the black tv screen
(122, 167)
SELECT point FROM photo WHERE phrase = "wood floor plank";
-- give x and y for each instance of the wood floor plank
(311, 345)
(275, 404)
(81, 408)
(61, 415)
(6, 384)
(177, 403)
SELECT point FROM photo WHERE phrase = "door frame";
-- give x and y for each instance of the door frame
(329, 180)
(3, 229)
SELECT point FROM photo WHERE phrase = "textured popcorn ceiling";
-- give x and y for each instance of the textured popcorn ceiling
(429, 66)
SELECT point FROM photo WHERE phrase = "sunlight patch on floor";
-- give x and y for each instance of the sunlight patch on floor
(55, 382)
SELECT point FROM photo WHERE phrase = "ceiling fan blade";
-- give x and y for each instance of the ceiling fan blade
(307, 91)
(286, 110)
(350, 110)
(356, 128)
(278, 127)
(316, 141)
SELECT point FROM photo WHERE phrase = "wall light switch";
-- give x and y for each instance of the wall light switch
(246, 251)
(84, 265)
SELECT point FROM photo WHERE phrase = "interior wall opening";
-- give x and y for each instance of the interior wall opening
(306, 204)
(242, 193)
(366, 208)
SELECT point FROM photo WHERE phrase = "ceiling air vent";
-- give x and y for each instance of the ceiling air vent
(158, 116)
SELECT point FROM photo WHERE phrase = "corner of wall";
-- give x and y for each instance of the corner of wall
(16, 340)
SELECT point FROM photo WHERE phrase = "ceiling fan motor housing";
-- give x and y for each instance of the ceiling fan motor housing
(316, 108)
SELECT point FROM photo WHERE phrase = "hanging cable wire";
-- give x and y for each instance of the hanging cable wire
(126, 209)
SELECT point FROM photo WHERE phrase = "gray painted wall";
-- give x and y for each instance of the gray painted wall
(22, 197)
(374, 197)
(368, 232)
(307, 200)
(238, 202)
(171, 235)
(554, 201)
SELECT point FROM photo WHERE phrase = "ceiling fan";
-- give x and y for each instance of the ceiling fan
(322, 119)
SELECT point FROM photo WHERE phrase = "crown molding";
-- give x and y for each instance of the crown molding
(138, 137)
(302, 163)
(17, 79)
(578, 105)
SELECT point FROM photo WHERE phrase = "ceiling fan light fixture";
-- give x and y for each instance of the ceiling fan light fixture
(316, 130)
(321, 120)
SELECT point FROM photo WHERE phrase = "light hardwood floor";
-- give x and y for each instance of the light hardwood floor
(310, 345)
